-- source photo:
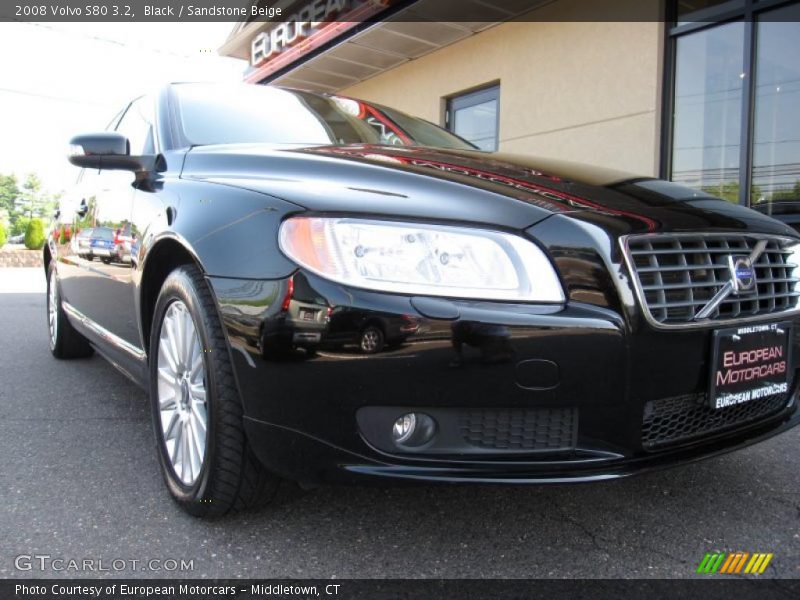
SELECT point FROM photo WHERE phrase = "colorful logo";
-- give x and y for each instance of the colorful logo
(733, 563)
(743, 274)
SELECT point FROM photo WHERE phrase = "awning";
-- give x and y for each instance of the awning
(356, 51)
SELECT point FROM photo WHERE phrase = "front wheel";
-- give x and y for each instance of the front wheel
(205, 458)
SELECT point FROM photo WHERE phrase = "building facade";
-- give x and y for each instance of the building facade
(702, 92)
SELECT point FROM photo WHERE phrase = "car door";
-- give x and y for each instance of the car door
(72, 216)
(105, 293)
(77, 213)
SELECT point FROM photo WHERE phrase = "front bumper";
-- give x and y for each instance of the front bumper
(301, 457)
(521, 394)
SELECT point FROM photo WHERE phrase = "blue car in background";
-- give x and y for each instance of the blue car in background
(105, 245)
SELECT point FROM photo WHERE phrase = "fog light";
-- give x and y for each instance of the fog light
(413, 429)
(404, 428)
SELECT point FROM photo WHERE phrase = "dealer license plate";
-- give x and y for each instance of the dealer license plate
(749, 363)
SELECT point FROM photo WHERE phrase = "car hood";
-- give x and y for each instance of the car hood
(504, 190)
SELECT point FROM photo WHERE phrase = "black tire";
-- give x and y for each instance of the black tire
(372, 340)
(231, 478)
(65, 341)
(106, 261)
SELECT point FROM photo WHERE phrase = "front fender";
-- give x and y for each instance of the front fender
(231, 232)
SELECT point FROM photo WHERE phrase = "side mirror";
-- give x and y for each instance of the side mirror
(106, 150)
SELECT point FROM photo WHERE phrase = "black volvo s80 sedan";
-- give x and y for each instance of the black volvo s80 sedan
(549, 322)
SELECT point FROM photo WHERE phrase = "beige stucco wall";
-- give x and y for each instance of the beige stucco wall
(583, 91)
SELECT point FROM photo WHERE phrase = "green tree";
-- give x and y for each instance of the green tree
(2, 235)
(792, 193)
(19, 225)
(32, 195)
(34, 235)
(9, 192)
(20, 203)
(727, 190)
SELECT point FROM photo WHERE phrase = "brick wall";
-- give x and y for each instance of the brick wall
(20, 258)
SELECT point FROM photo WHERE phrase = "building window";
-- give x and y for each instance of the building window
(476, 117)
(776, 120)
(708, 110)
(733, 106)
(696, 10)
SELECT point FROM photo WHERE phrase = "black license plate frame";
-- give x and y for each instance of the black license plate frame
(749, 362)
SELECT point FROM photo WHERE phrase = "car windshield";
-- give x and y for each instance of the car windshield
(104, 233)
(226, 114)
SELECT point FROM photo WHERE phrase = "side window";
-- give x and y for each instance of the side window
(137, 126)
(475, 117)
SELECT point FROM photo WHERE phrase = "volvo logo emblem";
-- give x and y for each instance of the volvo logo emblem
(743, 274)
(742, 280)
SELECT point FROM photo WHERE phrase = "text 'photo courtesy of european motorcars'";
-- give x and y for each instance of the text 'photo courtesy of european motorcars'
(319, 289)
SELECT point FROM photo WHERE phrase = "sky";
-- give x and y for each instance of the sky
(60, 79)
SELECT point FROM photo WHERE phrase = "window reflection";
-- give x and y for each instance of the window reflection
(239, 114)
(709, 80)
(478, 124)
(689, 10)
(776, 144)
(474, 117)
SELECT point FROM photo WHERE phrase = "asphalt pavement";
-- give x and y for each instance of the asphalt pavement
(80, 481)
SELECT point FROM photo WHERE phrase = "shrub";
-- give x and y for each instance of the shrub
(62, 239)
(2, 235)
(19, 226)
(34, 235)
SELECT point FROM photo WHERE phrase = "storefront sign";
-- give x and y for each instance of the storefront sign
(296, 27)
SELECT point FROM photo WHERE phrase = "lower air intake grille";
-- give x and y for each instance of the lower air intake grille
(541, 429)
(672, 421)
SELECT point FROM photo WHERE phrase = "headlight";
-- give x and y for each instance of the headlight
(413, 258)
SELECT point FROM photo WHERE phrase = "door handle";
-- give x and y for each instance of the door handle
(82, 209)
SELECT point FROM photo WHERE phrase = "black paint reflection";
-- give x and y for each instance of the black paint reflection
(492, 341)
(369, 332)
(298, 338)
(298, 328)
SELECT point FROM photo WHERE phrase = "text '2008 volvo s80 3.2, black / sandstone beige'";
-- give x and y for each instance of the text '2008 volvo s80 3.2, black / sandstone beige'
(320, 289)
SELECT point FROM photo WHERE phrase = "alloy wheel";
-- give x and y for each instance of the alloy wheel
(182, 401)
(52, 309)
(370, 340)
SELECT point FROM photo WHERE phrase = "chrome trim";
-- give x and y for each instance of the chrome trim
(732, 286)
(104, 333)
(706, 324)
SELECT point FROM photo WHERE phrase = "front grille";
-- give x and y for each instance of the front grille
(676, 275)
(672, 421)
(540, 429)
